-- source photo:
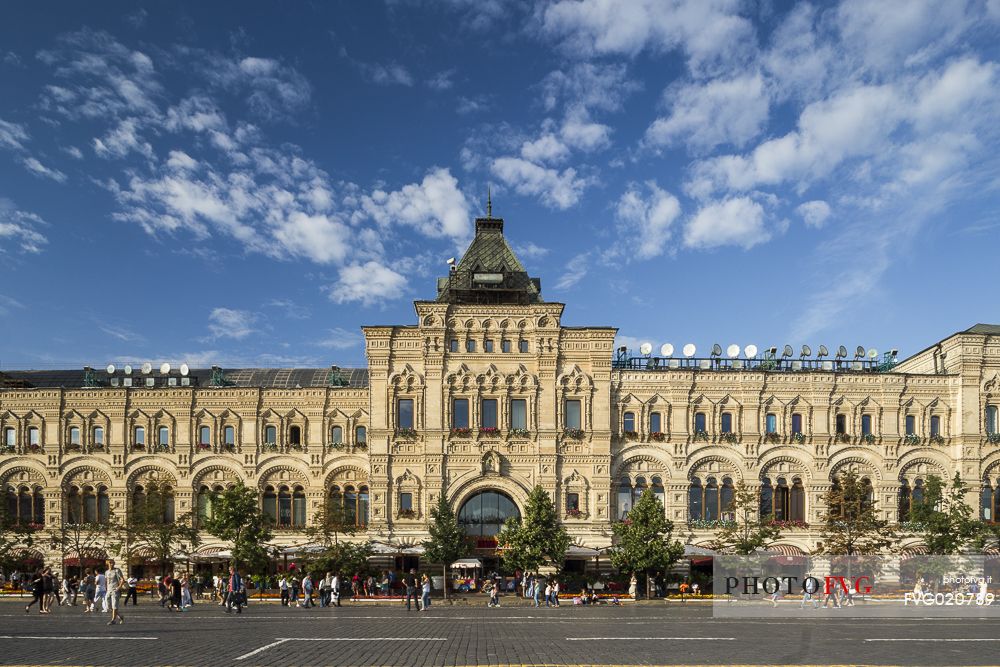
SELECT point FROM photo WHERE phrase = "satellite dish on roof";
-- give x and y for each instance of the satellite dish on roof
(859, 351)
(127, 369)
(110, 369)
(788, 351)
(716, 350)
(164, 368)
(873, 353)
(822, 351)
(185, 370)
(733, 351)
(645, 348)
(689, 350)
(750, 351)
(666, 350)
(806, 351)
(841, 352)
(147, 368)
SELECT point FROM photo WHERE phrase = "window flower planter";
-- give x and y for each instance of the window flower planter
(843, 437)
(406, 433)
(701, 435)
(729, 437)
(657, 436)
(911, 439)
(203, 447)
(870, 438)
(336, 446)
(772, 437)
(406, 514)
(788, 524)
(574, 433)
(229, 448)
(361, 445)
(520, 433)
(269, 447)
(573, 514)
(8, 450)
(709, 523)
(461, 432)
(490, 432)
(138, 448)
(993, 438)
(631, 435)
(937, 439)
(799, 437)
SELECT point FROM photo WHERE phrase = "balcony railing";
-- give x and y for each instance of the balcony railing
(784, 364)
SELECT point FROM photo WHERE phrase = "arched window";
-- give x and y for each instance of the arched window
(350, 505)
(363, 506)
(866, 424)
(624, 498)
(98, 437)
(991, 419)
(695, 500)
(229, 437)
(204, 504)
(140, 436)
(797, 510)
(74, 506)
(726, 500)
(711, 505)
(25, 506)
(766, 498)
(771, 423)
(295, 436)
(284, 506)
(9, 438)
(918, 491)
(104, 505)
(204, 437)
(166, 500)
(139, 500)
(699, 422)
(485, 512)
(163, 438)
(38, 507)
(657, 487)
(905, 495)
(727, 422)
(270, 503)
(628, 422)
(89, 505)
(655, 422)
(270, 435)
(74, 436)
(299, 507)
(360, 436)
(781, 500)
(337, 435)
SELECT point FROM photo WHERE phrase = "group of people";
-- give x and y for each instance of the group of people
(174, 592)
(104, 586)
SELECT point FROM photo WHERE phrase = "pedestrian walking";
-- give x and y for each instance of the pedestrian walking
(548, 594)
(324, 590)
(425, 599)
(283, 590)
(101, 594)
(175, 593)
(494, 596)
(89, 591)
(410, 581)
(37, 593)
(114, 581)
(555, 593)
(186, 600)
(536, 587)
(235, 597)
(295, 590)
(131, 590)
(633, 587)
(307, 591)
(335, 590)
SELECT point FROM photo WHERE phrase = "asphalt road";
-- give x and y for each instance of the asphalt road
(648, 634)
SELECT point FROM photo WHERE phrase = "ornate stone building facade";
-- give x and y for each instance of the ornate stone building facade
(488, 395)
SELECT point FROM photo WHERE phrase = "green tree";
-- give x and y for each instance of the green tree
(342, 557)
(150, 528)
(15, 537)
(448, 541)
(330, 523)
(851, 525)
(942, 519)
(85, 539)
(238, 519)
(535, 539)
(644, 542)
(747, 531)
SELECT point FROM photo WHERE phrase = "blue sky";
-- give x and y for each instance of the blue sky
(249, 183)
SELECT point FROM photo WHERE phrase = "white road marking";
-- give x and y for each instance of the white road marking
(85, 637)
(929, 639)
(281, 640)
(603, 639)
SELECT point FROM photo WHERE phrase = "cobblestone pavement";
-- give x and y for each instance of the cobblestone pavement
(268, 635)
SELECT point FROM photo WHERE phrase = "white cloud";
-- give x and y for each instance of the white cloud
(12, 135)
(546, 148)
(230, 323)
(814, 213)
(368, 283)
(8, 303)
(645, 221)
(721, 111)
(588, 86)
(40, 169)
(442, 80)
(579, 132)
(736, 221)
(575, 271)
(73, 152)
(272, 88)
(340, 339)
(435, 207)
(388, 74)
(18, 227)
(122, 140)
(530, 250)
(181, 161)
(708, 31)
(318, 237)
(556, 189)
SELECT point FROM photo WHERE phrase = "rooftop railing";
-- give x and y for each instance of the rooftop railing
(783, 364)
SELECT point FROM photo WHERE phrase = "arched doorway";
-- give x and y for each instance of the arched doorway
(482, 515)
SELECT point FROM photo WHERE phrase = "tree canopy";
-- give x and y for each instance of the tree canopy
(238, 519)
(746, 531)
(448, 541)
(537, 538)
(644, 542)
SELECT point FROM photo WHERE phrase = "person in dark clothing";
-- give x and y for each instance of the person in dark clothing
(37, 592)
(410, 581)
(175, 594)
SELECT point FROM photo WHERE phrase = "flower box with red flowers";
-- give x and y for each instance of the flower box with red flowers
(574, 513)
(657, 436)
(204, 447)
(490, 432)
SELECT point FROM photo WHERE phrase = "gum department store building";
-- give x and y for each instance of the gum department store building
(486, 395)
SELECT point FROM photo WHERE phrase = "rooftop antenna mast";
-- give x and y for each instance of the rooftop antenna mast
(489, 202)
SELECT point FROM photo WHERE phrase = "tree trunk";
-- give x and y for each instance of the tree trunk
(444, 572)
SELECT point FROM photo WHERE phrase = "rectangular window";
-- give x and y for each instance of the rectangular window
(204, 436)
(74, 436)
(841, 424)
(487, 346)
(699, 422)
(628, 422)
(991, 419)
(866, 424)
(271, 435)
(489, 416)
(655, 422)
(229, 435)
(572, 502)
(727, 422)
(573, 414)
(522, 346)
(164, 436)
(911, 424)
(771, 422)
(337, 435)
(98, 436)
(935, 426)
(460, 413)
(796, 423)
(406, 502)
(404, 415)
(519, 414)
(140, 435)
(453, 345)
(9, 438)
(470, 345)
(505, 346)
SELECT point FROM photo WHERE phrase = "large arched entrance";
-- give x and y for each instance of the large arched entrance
(482, 515)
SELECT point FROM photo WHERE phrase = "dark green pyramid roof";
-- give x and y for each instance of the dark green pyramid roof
(489, 272)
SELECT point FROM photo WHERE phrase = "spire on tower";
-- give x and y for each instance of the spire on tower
(489, 203)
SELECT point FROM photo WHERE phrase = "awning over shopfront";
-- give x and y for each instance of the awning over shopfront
(467, 564)
(694, 550)
(577, 552)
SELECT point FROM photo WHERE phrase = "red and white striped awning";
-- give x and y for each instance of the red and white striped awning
(786, 550)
